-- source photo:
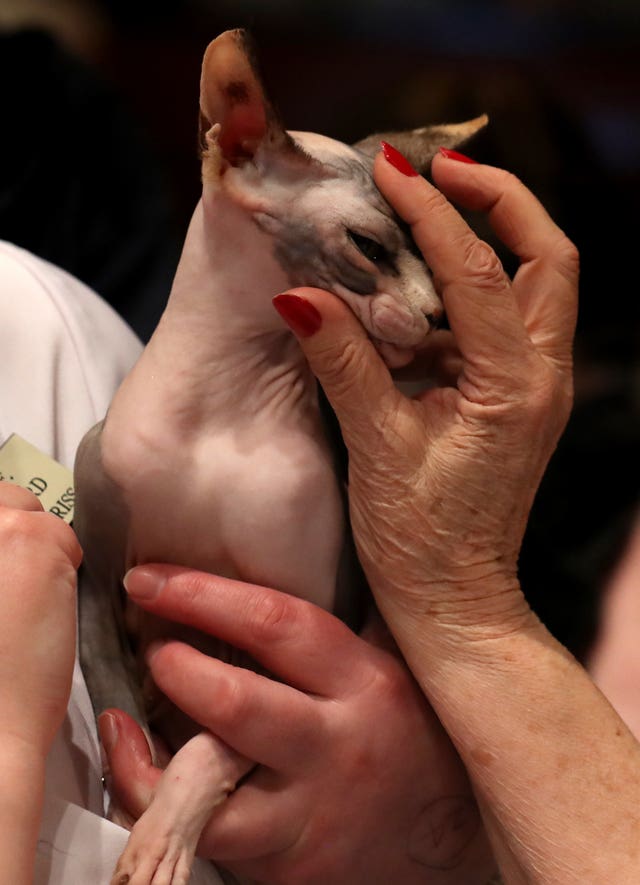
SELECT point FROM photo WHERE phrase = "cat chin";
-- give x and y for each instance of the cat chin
(394, 356)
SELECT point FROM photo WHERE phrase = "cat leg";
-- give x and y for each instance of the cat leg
(163, 842)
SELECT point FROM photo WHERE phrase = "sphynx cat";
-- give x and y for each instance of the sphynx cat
(213, 453)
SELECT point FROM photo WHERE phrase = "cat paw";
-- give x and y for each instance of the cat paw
(162, 844)
(154, 859)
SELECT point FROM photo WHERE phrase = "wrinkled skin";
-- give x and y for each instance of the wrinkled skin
(440, 491)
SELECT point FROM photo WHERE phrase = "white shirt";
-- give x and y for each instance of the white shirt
(63, 353)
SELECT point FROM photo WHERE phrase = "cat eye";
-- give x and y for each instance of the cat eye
(369, 248)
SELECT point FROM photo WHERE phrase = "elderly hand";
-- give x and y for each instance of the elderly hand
(357, 782)
(440, 488)
(440, 485)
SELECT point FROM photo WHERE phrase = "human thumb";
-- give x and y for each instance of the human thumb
(130, 772)
(341, 356)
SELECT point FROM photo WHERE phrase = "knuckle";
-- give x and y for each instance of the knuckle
(567, 256)
(342, 366)
(12, 495)
(192, 587)
(508, 181)
(231, 701)
(273, 617)
(26, 527)
(545, 402)
(554, 402)
(390, 681)
(14, 524)
(539, 402)
(61, 531)
(481, 265)
(432, 203)
(20, 529)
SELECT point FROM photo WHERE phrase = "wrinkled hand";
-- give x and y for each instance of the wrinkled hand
(357, 782)
(440, 485)
(39, 556)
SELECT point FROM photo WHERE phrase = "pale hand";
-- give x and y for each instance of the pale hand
(39, 557)
(357, 782)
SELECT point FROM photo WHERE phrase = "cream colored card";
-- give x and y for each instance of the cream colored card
(26, 466)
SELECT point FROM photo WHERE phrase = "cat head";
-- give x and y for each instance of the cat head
(316, 198)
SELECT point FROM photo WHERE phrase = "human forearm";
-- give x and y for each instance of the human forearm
(22, 773)
(545, 751)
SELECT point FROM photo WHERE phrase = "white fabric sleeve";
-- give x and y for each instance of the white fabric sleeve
(63, 353)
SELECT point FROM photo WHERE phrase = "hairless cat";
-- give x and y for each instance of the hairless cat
(213, 453)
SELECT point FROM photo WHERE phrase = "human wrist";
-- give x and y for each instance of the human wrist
(20, 756)
(455, 612)
(22, 779)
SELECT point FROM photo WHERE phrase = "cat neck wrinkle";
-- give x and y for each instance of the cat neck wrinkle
(220, 346)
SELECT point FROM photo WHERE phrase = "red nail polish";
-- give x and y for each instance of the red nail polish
(454, 155)
(298, 313)
(397, 160)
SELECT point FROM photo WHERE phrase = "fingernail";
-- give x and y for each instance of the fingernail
(397, 160)
(298, 313)
(108, 728)
(454, 155)
(143, 584)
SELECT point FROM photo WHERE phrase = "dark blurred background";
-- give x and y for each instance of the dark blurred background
(100, 174)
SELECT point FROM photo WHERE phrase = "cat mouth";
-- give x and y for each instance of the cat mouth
(396, 323)
(395, 357)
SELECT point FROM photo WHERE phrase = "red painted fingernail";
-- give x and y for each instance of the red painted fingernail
(397, 160)
(454, 155)
(298, 313)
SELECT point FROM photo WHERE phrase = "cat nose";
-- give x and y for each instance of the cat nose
(434, 318)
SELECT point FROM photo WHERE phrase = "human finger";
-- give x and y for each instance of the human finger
(524, 226)
(18, 498)
(257, 821)
(65, 538)
(131, 774)
(343, 359)
(516, 215)
(482, 311)
(258, 717)
(288, 636)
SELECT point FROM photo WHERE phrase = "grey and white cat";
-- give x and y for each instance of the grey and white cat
(213, 453)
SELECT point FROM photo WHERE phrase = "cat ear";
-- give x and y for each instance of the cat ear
(420, 146)
(236, 116)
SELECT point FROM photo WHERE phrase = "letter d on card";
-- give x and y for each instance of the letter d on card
(26, 466)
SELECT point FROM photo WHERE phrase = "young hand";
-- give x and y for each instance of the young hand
(356, 783)
(39, 557)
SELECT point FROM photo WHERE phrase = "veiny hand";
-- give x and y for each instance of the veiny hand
(39, 556)
(357, 783)
(440, 485)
